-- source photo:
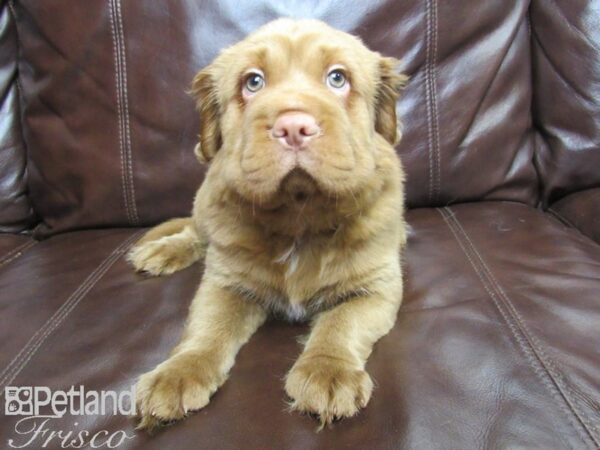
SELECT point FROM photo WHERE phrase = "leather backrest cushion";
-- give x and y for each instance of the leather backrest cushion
(566, 63)
(16, 213)
(110, 128)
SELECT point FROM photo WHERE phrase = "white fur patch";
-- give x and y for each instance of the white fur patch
(295, 312)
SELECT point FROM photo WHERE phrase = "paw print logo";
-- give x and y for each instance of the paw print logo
(12, 407)
(18, 400)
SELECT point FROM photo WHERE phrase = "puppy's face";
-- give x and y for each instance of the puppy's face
(297, 109)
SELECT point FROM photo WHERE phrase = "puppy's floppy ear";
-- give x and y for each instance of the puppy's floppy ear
(389, 85)
(205, 92)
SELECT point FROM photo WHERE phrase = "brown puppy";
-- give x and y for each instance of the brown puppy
(300, 214)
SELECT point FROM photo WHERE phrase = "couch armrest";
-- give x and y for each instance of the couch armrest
(580, 210)
(16, 213)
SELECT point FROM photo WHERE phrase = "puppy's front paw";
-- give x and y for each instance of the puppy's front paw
(163, 256)
(181, 384)
(330, 388)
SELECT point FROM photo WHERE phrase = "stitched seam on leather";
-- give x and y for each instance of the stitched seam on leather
(16, 252)
(64, 310)
(12, 252)
(35, 342)
(128, 147)
(117, 56)
(431, 38)
(536, 345)
(427, 96)
(436, 132)
(578, 391)
(538, 371)
(551, 366)
(544, 353)
(532, 353)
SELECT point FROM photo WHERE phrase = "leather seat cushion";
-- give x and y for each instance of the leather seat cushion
(496, 341)
(11, 245)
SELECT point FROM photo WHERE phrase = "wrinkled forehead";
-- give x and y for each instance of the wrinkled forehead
(291, 47)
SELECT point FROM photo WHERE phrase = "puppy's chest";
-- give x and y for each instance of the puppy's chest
(305, 267)
(302, 281)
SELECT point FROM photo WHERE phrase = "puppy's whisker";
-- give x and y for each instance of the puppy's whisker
(301, 210)
(355, 200)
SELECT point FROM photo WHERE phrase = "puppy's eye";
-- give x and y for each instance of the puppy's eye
(254, 82)
(336, 79)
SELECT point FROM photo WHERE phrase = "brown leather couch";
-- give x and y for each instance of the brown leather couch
(497, 344)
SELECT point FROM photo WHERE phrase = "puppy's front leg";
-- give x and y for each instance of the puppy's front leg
(220, 322)
(329, 377)
(168, 247)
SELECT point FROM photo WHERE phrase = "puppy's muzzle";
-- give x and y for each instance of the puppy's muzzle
(293, 130)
